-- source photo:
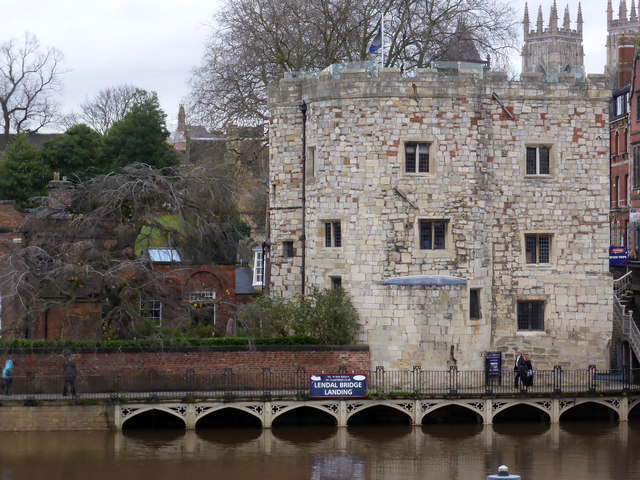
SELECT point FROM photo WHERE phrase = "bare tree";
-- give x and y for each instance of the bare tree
(29, 82)
(109, 106)
(254, 42)
(93, 249)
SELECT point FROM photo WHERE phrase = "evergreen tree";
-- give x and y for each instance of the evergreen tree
(140, 137)
(76, 154)
(23, 174)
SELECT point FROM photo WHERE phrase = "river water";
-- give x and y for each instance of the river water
(598, 451)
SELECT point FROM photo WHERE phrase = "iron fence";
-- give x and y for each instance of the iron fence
(228, 385)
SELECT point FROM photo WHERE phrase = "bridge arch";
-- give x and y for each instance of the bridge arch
(610, 405)
(468, 408)
(543, 407)
(402, 410)
(204, 415)
(304, 414)
(131, 413)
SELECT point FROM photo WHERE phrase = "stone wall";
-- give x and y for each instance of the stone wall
(478, 131)
(20, 418)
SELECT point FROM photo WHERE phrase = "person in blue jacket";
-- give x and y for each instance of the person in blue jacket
(7, 376)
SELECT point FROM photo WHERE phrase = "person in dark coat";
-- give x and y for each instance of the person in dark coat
(518, 368)
(70, 372)
(528, 373)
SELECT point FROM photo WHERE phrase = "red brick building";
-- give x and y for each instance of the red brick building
(192, 294)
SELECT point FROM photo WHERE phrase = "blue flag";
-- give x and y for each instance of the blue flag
(377, 41)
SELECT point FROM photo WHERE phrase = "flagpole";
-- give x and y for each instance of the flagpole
(382, 44)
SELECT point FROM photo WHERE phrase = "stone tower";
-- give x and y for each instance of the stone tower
(553, 50)
(622, 34)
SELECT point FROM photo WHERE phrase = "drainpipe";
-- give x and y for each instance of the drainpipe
(303, 109)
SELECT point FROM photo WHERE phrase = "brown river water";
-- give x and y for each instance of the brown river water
(590, 450)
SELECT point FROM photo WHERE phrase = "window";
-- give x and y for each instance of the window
(258, 266)
(433, 234)
(332, 234)
(531, 315)
(474, 304)
(636, 167)
(203, 304)
(151, 308)
(537, 248)
(336, 282)
(538, 160)
(310, 164)
(287, 247)
(416, 157)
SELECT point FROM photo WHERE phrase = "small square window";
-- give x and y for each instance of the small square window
(416, 157)
(474, 304)
(537, 248)
(332, 234)
(288, 249)
(433, 234)
(538, 160)
(336, 282)
(531, 315)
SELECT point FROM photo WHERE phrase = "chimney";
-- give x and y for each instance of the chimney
(60, 192)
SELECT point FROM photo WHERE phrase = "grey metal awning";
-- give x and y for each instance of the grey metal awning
(427, 280)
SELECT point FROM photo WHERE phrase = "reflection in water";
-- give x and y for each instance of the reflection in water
(601, 451)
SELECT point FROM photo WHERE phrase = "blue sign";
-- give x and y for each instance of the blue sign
(337, 385)
(618, 256)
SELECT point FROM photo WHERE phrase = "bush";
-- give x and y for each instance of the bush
(327, 316)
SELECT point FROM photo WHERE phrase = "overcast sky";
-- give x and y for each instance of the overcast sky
(153, 44)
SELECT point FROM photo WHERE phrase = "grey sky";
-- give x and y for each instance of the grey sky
(153, 44)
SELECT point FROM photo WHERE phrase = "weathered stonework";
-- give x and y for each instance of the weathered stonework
(478, 131)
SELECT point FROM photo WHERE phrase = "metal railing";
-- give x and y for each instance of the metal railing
(227, 385)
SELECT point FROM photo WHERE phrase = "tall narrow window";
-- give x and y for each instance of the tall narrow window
(530, 315)
(433, 234)
(416, 157)
(537, 248)
(538, 161)
(258, 266)
(474, 304)
(636, 167)
(332, 234)
(288, 249)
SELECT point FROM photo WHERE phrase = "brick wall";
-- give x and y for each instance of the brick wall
(201, 360)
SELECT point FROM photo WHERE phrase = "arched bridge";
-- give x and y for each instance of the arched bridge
(342, 410)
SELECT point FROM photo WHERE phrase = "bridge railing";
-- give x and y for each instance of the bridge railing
(225, 384)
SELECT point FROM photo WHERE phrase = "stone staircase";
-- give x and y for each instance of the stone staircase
(624, 323)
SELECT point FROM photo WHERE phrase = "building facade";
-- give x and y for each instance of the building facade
(556, 49)
(463, 214)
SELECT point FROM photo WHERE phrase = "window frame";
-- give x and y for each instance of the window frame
(475, 300)
(332, 233)
(433, 223)
(533, 306)
(151, 309)
(419, 166)
(538, 160)
(258, 267)
(288, 250)
(540, 239)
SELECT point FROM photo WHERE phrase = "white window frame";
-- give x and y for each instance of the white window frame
(258, 267)
(149, 307)
(204, 297)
